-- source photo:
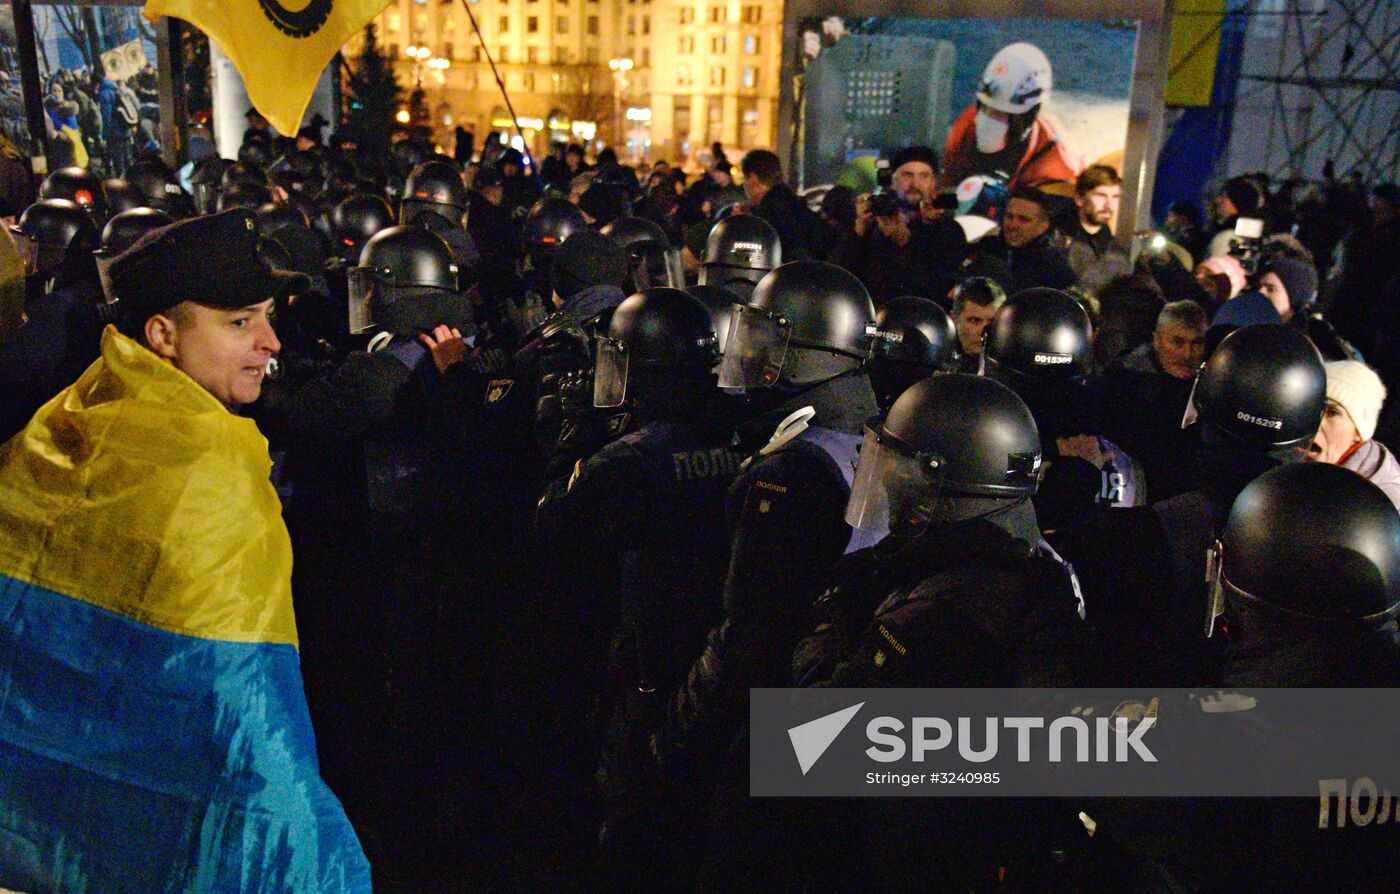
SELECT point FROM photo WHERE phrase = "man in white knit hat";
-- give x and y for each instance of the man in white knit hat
(1354, 398)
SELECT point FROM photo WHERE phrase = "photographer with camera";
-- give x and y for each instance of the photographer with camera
(905, 241)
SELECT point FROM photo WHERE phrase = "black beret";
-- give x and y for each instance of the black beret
(211, 260)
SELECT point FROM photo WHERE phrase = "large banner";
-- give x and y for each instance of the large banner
(97, 65)
(1005, 102)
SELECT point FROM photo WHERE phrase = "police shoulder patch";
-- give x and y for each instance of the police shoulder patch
(497, 389)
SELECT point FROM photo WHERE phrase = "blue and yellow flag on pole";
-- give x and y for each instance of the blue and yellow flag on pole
(280, 48)
(154, 734)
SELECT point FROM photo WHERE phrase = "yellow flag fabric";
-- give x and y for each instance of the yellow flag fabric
(136, 491)
(1194, 48)
(280, 48)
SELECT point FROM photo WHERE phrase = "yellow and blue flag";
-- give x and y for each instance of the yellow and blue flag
(280, 48)
(154, 734)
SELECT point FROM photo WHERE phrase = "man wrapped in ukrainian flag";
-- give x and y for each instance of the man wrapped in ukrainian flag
(154, 734)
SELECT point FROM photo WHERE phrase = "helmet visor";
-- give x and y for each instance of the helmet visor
(893, 491)
(610, 373)
(28, 251)
(754, 349)
(361, 282)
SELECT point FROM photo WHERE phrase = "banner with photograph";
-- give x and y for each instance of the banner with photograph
(101, 87)
(1004, 102)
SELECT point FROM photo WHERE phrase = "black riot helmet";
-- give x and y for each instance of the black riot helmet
(1039, 337)
(156, 186)
(741, 248)
(405, 155)
(242, 172)
(1264, 388)
(803, 319)
(1312, 544)
(655, 329)
(948, 436)
(52, 231)
(357, 218)
(550, 222)
(720, 303)
(654, 261)
(120, 196)
(434, 187)
(244, 194)
(273, 215)
(80, 186)
(910, 339)
(124, 229)
(397, 266)
(206, 179)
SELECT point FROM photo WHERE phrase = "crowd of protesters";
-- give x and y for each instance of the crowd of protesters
(532, 423)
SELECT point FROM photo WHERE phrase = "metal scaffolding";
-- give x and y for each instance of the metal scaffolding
(1320, 81)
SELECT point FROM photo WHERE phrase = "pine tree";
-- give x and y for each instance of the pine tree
(372, 94)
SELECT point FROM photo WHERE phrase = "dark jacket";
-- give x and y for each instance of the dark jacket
(1095, 258)
(927, 266)
(787, 514)
(1141, 408)
(1031, 266)
(800, 229)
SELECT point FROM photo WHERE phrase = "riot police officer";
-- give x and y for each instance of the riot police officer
(1041, 346)
(1305, 592)
(797, 348)
(378, 575)
(548, 225)
(654, 261)
(655, 498)
(122, 232)
(740, 251)
(354, 220)
(62, 294)
(963, 592)
(1258, 402)
(80, 186)
(435, 198)
(912, 338)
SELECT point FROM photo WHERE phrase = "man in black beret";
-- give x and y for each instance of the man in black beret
(197, 294)
(901, 243)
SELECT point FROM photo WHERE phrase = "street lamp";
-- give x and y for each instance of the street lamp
(620, 66)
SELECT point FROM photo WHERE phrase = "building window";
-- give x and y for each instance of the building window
(561, 25)
(528, 81)
(393, 51)
(590, 55)
(646, 24)
(719, 14)
(505, 24)
(449, 52)
(750, 76)
(394, 20)
(504, 55)
(592, 24)
(687, 15)
(752, 15)
(750, 45)
(646, 58)
(631, 25)
(683, 75)
(717, 76)
(688, 44)
(719, 44)
(532, 54)
(532, 25)
(476, 54)
(560, 55)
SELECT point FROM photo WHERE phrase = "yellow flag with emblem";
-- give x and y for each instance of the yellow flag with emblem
(279, 47)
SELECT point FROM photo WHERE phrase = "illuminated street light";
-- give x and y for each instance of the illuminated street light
(620, 66)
